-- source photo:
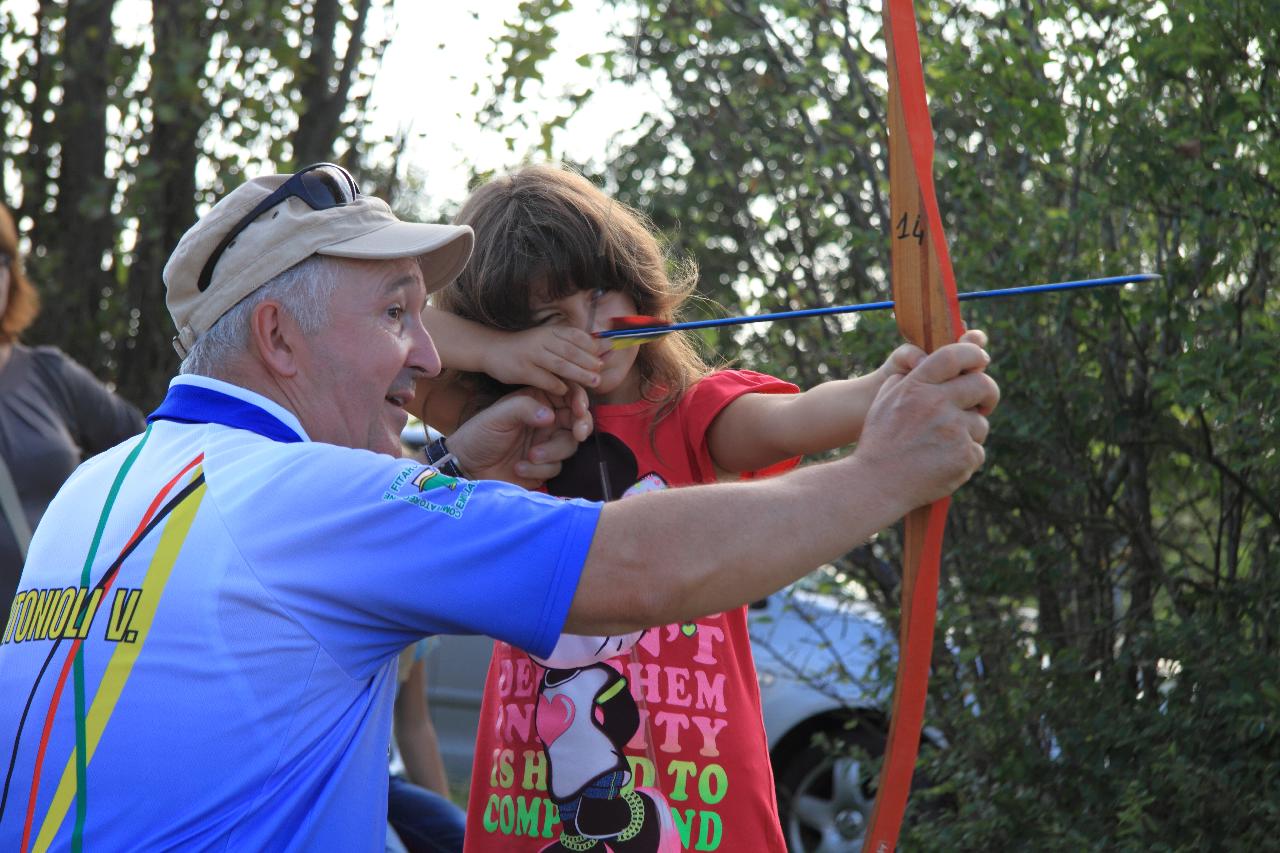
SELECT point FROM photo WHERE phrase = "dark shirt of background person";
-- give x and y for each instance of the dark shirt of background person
(53, 412)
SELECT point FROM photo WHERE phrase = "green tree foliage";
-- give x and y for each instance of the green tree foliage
(109, 133)
(1107, 672)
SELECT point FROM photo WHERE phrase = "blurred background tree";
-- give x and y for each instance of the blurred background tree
(1106, 671)
(116, 134)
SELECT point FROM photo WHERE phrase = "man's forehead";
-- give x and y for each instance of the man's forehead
(389, 274)
(406, 276)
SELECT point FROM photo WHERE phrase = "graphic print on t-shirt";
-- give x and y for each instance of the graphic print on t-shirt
(577, 742)
(584, 718)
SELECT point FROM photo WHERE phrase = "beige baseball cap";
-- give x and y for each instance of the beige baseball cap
(287, 233)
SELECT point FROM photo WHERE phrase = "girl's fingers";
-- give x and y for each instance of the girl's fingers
(546, 380)
(577, 347)
(572, 372)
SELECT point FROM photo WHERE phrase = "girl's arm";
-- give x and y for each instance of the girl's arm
(759, 430)
(545, 357)
(440, 402)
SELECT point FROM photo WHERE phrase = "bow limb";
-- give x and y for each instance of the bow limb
(928, 314)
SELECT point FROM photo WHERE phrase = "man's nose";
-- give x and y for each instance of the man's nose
(423, 357)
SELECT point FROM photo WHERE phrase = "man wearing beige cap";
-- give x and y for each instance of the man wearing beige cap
(201, 652)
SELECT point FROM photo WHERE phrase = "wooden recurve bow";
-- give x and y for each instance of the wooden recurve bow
(928, 315)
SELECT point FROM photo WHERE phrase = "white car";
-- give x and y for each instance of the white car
(823, 717)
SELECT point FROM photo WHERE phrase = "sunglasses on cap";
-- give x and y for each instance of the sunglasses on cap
(321, 186)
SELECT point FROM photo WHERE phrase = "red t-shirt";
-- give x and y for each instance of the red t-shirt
(690, 735)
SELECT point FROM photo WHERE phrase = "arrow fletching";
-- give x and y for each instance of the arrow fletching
(642, 329)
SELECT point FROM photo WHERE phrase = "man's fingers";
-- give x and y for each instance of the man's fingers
(979, 427)
(533, 475)
(523, 410)
(906, 357)
(573, 412)
(976, 391)
(579, 403)
(580, 413)
(556, 448)
(948, 362)
(978, 458)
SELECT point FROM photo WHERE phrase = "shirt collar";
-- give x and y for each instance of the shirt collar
(200, 399)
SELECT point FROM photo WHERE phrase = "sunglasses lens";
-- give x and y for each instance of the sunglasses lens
(326, 186)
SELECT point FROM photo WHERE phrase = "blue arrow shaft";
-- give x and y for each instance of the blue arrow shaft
(873, 306)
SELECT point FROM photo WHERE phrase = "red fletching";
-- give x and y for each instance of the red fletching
(627, 322)
(634, 321)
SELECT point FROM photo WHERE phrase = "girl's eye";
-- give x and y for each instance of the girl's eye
(395, 312)
(548, 319)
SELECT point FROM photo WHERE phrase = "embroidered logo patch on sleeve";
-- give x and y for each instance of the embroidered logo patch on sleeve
(427, 488)
(430, 478)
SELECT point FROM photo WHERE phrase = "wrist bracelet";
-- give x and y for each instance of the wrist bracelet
(442, 460)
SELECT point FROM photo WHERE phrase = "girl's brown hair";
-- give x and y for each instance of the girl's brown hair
(551, 229)
(23, 303)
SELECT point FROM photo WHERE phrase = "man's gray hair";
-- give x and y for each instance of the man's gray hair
(304, 290)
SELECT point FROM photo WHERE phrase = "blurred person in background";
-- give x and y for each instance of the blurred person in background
(418, 805)
(53, 414)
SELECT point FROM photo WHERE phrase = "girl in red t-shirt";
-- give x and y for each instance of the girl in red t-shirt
(652, 741)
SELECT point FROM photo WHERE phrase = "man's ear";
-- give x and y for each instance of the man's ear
(275, 336)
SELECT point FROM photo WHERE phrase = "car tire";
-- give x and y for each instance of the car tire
(826, 790)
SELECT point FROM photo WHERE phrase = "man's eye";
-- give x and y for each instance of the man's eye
(395, 312)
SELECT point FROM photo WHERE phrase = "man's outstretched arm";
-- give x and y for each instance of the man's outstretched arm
(674, 555)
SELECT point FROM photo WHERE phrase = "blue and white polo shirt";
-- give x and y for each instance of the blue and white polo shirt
(201, 651)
